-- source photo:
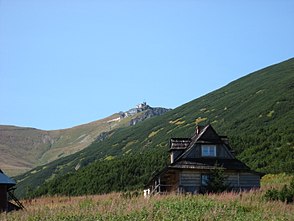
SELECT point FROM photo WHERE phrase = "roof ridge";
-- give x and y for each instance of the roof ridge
(193, 141)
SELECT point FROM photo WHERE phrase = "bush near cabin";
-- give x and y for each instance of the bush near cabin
(216, 181)
(286, 194)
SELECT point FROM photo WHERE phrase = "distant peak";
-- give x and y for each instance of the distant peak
(142, 106)
(139, 108)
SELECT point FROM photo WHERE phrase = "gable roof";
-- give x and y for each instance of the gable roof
(5, 180)
(199, 132)
(209, 134)
(202, 133)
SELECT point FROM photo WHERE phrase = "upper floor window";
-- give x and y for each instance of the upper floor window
(208, 150)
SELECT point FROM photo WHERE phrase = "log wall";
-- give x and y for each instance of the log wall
(190, 180)
(249, 180)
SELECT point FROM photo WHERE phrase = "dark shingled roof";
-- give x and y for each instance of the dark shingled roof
(179, 143)
(209, 163)
(5, 180)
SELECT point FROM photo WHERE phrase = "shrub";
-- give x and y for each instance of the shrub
(216, 181)
(286, 194)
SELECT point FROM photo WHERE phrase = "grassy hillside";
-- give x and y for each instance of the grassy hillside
(15, 146)
(124, 206)
(256, 112)
(25, 148)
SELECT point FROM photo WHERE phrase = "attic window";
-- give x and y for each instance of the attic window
(208, 150)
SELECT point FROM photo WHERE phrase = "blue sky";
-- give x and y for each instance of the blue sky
(68, 62)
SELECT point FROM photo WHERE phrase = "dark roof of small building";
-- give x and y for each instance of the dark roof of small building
(200, 131)
(179, 143)
(209, 163)
(5, 180)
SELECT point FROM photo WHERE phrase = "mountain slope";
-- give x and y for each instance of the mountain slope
(256, 112)
(25, 148)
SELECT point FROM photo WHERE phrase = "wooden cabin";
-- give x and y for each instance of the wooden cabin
(193, 159)
(6, 188)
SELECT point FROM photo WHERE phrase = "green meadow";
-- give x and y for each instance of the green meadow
(250, 205)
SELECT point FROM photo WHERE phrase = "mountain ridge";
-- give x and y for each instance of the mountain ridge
(23, 148)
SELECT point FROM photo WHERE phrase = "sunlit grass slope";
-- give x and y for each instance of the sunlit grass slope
(25, 148)
(255, 112)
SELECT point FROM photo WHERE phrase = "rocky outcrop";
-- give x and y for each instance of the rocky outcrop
(148, 113)
(145, 109)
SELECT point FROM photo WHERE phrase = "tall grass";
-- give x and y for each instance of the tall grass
(249, 205)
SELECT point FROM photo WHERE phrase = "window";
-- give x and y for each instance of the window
(204, 179)
(208, 150)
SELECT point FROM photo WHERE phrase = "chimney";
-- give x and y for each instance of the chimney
(172, 157)
(198, 129)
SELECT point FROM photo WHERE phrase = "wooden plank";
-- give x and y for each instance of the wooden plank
(190, 178)
(232, 180)
(249, 180)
